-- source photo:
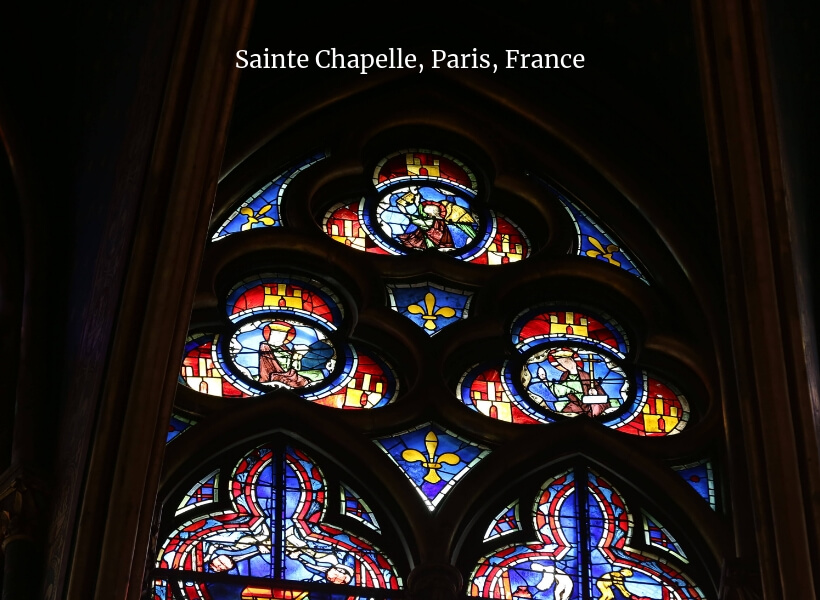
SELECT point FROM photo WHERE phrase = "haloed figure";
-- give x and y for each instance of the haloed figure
(324, 561)
(279, 359)
(433, 216)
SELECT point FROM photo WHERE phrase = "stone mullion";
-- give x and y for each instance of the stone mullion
(120, 490)
(749, 191)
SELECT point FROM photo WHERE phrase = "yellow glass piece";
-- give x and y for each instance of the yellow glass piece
(655, 421)
(605, 253)
(276, 295)
(431, 462)
(258, 217)
(428, 314)
(414, 166)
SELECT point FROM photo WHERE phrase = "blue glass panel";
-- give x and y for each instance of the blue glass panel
(613, 565)
(162, 590)
(546, 568)
(570, 537)
(430, 306)
(506, 522)
(700, 476)
(316, 552)
(177, 426)
(204, 492)
(282, 353)
(275, 531)
(657, 535)
(262, 209)
(594, 241)
(353, 506)
(433, 459)
(236, 540)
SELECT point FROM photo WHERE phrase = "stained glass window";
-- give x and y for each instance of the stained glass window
(433, 459)
(583, 542)
(203, 492)
(267, 528)
(507, 521)
(426, 200)
(263, 208)
(593, 240)
(178, 425)
(287, 294)
(281, 332)
(354, 506)
(432, 307)
(289, 318)
(700, 477)
(571, 362)
(536, 326)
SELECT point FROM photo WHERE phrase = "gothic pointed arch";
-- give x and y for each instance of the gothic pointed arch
(454, 318)
(573, 532)
(269, 518)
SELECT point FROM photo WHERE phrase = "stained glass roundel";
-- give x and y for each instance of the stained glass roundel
(282, 353)
(420, 218)
(425, 200)
(282, 332)
(571, 363)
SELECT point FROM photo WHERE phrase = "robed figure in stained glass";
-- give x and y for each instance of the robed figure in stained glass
(273, 529)
(283, 353)
(278, 358)
(574, 390)
(427, 217)
(575, 384)
(322, 560)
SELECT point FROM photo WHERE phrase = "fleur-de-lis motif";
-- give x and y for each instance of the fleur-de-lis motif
(605, 253)
(257, 217)
(428, 314)
(431, 462)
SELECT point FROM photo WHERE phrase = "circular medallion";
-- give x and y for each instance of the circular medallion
(284, 353)
(422, 217)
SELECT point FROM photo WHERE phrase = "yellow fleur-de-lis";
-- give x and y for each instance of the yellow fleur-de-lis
(428, 314)
(606, 254)
(256, 217)
(431, 462)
